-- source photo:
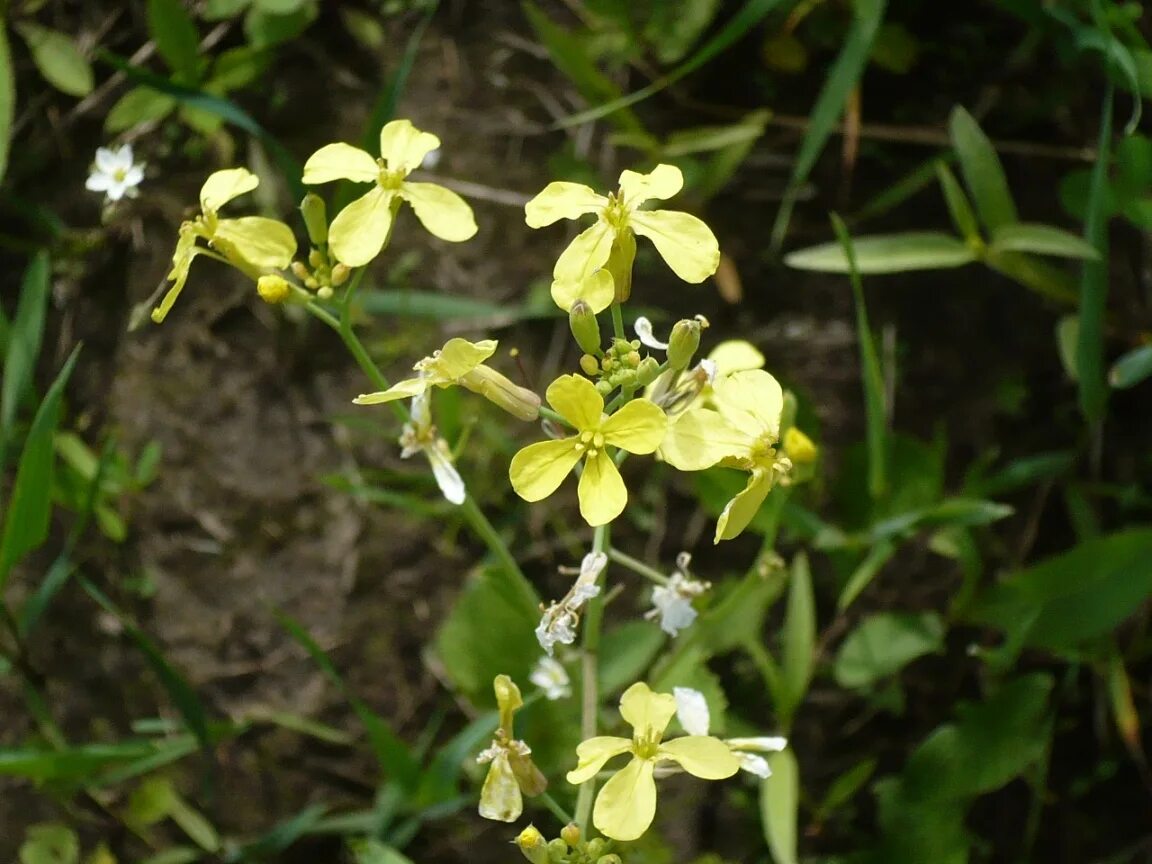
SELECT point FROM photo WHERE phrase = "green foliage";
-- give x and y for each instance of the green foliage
(780, 805)
(57, 58)
(885, 643)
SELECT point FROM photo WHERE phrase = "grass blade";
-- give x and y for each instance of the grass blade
(7, 100)
(385, 107)
(982, 171)
(25, 335)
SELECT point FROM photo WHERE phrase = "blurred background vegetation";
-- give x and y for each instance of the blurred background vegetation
(237, 628)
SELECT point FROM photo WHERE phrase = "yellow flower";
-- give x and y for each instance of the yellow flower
(461, 362)
(626, 805)
(513, 773)
(359, 231)
(539, 469)
(251, 243)
(687, 244)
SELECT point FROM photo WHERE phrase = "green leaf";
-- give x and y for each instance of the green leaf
(1131, 368)
(959, 208)
(7, 100)
(151, 801)
(174, 32)
(1041, 240)
(375, 852)
(1068, 599)
(69, 764)
(950, 513)
(885, 643)
(265, 29)
(50, 843)
(673, 28)
(136, 106)
(780, 806)
(1067, 344)
(798, 643)
(218, 10)
(193, 823)
(983, 173)
(626, 652)
(57, 58)
(845, 787)
(865, 572)
(29, 508)
(24, 338)
(843, 78)
(443, 307)
(887, 253)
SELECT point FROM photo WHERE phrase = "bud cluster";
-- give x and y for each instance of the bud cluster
(568, 848)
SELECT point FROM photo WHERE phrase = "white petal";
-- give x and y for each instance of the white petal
(107, 160)
(447, 477)
(754, 764)
(644, 333)
(98, 181)
(134, 175)
(551, 677)
(766, 744)
(692, 710)
(115, 191)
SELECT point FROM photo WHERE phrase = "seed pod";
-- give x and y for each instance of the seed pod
(315, 215)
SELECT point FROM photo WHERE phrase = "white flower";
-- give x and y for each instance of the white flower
(692, 710)
(646, 336)
(559, 621)
(419, 436)
(692, 713)
(552, 678)
(115, 173)
(673, 602)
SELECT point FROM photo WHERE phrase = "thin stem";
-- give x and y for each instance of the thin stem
(590, 684)
(549, 414)
(617, 322)
(559, 812)
(637, 566)
(496, 545)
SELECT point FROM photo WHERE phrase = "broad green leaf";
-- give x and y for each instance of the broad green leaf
(24, 338)
(1041, 240)
(780, 806)
(29, 507)
(174, 32)
(7, 100)
(50, 843)
(1073, 597)
(1131, 368)
(236, 68)
(673, 28)
(885, 643)
(917, 830)
(265, 29)
(217, 10)
(887, 253)
(982, 171)
(845, 787)
(194, 824)
(959, 208)
(626, 652)
(138, 105)
(798, 641)
(57, 58)
(151, 801)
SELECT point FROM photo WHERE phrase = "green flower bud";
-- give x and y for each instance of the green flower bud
(684, 341)
(557, 850)
(604, 387)
(647, 371)
(589, 365)
(570, 833)
(315, 218)
(300, 270)
(632, 359)
(609, 859)
(324, 293)
(595, 847)
(273, 288)
(585, 328)
(498, 389)
(532, 845)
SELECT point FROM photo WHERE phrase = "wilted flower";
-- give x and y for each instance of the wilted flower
(513, 773)
(559, 621)
(673, 602)
(551, 677)
(420, 436)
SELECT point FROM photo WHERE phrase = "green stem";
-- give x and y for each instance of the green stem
(549, 414)
(637, 566)
(617, 322)
(559, 812)
(590, 684)
(499, 549)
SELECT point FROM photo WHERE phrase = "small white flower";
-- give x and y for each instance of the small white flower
(585, 587)
(551, 677)
(646, 336)
(419, 436)
(115, 173)
(673, 602)
(692, 710)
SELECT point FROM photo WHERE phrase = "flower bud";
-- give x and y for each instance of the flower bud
(273, 288)
(609, 859)
(316, 259)
(570, 833)
(632, 359)
(300, 270)
(647, 371)
(315, 218)
(799, 447)
(684, 341)
(589, 365)
(604, 387)
(585, 328)
(498, 389)
(557, 849)
(508, 699)
(595, 847)
(532, 845)
(324, 293)
(340, 274)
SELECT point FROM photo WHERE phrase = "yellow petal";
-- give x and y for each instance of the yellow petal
(186, 250)
(646, 712)
(687, 245)
(538, 469)
(626, 805)
(340, 162)
(560, 200)
(404, 147)
(701, 437)
(457, 358)
(358, 232)
(735, 355)
(405, 389)
(500, 797)
(440, 210)
(222, 186)
(602, 492)
(586, 254)
(701, 755)
(576, 399)
(593, 753)
(662, 183)
(598, 291)
(259, 241)
(741, 509)
(638, 427)
(751, 398)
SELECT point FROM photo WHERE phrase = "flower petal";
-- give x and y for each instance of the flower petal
(99, 182)
(638, 427)
(687, 245)
(560, 200)
(661, 183)
(602, 492)
(186, 250)
(646, 335)
(741, 509)
(539, 469)
(500, 797)
(440, 210)
(586, 254)
(340, 162)
(598, 291)
(762, 744)
(701, 437)
(410, 387)
(626, 805)
(259, 241)
(457, 358)
(735, 355)
(447, 477)
(593, 753)
(692, 710)
(108, 160)
(646, 712)
(752, 400)
(358, 232)
(701, 756)
(222, 186)
(404, 147)
(576, 399)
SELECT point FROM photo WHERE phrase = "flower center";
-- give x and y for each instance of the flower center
(389, 178)
(616, 211)
(119, 174)
(645, 745)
